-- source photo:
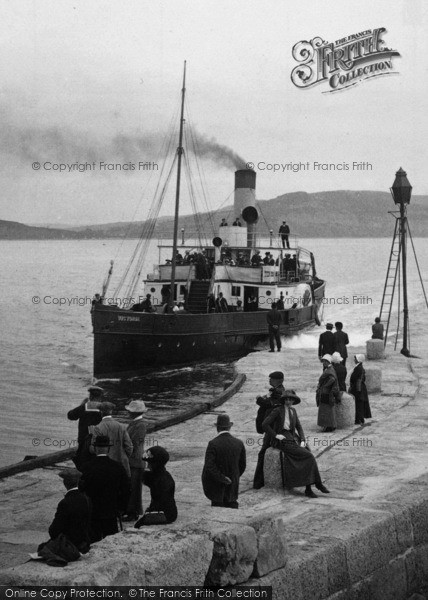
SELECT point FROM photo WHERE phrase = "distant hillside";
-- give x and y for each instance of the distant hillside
(343, 214)
(11, 230)
(321, 214)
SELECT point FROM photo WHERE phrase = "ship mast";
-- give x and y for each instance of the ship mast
(180, 151)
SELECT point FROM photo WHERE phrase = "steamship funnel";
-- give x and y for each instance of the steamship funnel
(245, 195)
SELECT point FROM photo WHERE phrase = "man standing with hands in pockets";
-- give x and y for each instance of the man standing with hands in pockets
(225, 462)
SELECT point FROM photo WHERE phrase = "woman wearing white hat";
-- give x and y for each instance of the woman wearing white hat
(137, 433)
(340, 369)
(359, 391)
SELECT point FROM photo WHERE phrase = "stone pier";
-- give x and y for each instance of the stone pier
(367, 539)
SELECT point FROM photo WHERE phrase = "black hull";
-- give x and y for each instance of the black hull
(126, 341)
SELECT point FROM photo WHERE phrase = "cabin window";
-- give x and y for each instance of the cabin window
(236, 290)
(183, 290)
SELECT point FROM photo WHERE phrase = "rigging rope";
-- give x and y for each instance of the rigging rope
(148, 227)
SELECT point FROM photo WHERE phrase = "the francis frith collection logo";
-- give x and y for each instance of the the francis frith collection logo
(342, 63)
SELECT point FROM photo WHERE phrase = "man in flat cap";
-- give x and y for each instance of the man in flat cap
(137, 433)
(88, 415)
(266, 404)
(225, 462)
(106, 483)
(73, 514)
(326, 344)
(121, 445)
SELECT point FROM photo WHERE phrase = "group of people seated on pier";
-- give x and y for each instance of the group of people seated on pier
(105, 488)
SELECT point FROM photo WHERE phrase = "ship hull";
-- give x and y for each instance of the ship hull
(126, 341)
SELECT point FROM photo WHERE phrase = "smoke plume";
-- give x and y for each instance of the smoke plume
(60, 144)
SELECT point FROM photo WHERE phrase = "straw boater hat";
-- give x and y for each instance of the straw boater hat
(360, 358)
(136, 406)
(291, 394)
(336, 357)
(327, 357)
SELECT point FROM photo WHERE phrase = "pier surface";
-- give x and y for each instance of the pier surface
(372, 524)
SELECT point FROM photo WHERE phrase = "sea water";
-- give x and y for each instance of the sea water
(47, 342)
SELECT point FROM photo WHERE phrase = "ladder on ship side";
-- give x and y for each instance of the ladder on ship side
(391, 279)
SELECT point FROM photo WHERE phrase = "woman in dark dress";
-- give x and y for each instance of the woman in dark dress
(340, 369)
(161, 484)
(285, 432)
(327, 396)
(359, 391)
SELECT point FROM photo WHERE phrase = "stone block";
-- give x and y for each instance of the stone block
(234, 553)
(141, 557)
(389, 582)
(271, 544)
(417, 568)
(286, 583)
(272, 469)
(371, 548)
(345, 411)
(375, 350)
(373, 379)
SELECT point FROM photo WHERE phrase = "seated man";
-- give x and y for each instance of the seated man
(73, 514)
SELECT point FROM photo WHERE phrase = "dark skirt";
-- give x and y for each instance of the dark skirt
(326, 412)
(299, 465)
(362, 405)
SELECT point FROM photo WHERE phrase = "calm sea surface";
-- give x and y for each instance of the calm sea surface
(46, 353)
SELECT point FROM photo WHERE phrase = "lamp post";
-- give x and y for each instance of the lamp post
(401, 192)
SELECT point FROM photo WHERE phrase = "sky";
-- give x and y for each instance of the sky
(90, 82)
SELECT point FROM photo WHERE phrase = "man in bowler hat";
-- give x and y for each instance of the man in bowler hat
(106, 483)
(225, 462)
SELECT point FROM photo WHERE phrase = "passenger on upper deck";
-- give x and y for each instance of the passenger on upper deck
(223, 223)
(284, 232)
(256, 259)
(237, 222)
